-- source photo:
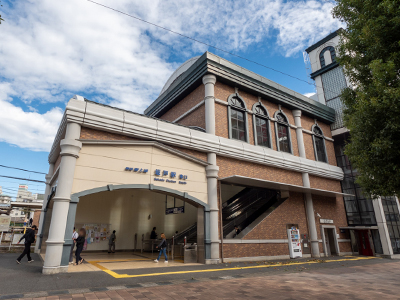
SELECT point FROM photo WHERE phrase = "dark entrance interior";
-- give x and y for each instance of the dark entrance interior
(364, 245)
(330, 241)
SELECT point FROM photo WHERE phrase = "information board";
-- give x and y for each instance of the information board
(5, 223)
(294, 243)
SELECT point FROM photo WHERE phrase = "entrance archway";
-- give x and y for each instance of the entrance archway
(203, 210)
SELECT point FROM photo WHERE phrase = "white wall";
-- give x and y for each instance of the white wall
(127, 211)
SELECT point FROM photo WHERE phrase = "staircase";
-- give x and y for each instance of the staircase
(190, 233)
(246, 207)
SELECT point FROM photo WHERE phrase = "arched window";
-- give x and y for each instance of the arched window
(262, 132)
(319, 144)
(282, 132)
(237, 114)
(322, 57)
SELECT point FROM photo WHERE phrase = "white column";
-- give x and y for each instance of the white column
(299, 132)
(209, 99)
(70, 148)
(312, 228)
(43, 211)
(212, 169)
(306, 183)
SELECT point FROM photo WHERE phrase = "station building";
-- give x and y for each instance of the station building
(220, 147)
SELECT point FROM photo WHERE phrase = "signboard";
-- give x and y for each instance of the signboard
(175, 210)
(5, 223)
(294, 243)
(326, 221)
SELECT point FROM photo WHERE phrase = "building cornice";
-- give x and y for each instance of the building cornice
(324, 69)
(118, 121)
(228, 72)
(323, 41)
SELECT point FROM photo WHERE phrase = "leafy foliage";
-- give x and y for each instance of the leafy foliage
(369, 51)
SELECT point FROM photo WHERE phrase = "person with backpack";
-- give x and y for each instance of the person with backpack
(111, 242)
(29, 237)
(163, 248)
(80, 242)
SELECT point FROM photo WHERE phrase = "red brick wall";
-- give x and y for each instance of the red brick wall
(292, 211)
(330, 208)
(197, 154)
(36, 217)
(325, 184)
(230, 166)
(94, 134)
(195, 118)
(251, 250)
(185, 104)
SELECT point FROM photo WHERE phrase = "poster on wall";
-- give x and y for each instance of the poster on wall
(95, 233)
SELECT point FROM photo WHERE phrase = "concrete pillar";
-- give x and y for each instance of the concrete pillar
(212, 183)
(70, 148)
(209, 99)
(299, 133)
(312, 228)
(382, 227)
(68, 234)
(44, 210)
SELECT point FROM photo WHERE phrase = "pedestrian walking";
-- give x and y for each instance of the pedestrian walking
(163, 248)
(237, 231)
(71, 255)
(30, 221)
(111, 242)
(29, 237)
(80, 241)
(153, 234)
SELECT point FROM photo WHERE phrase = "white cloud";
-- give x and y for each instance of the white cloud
(29, 130)
(51, 50)
(309, 94)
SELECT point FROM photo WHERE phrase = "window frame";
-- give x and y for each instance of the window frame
(332, 50)
(276, 131)
(266, 118)
(323, 141)
(243, 109)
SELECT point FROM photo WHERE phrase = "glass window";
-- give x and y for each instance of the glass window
(282, 128)
(283, 138)
(392, 221)
(238, 129)
(262, 132)
(319, 144)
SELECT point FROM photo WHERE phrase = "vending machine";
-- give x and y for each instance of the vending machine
(294, 243)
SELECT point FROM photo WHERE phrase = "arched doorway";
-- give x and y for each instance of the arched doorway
(135, 205)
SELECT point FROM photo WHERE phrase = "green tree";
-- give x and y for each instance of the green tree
(369, 51)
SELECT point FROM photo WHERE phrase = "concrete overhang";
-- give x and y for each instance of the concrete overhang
(26, 205)
(359, 227)
(283, 187)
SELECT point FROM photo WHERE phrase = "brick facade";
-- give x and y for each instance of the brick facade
(292, 211)
(195, 118)
(251, 250)
(185, 104)
(230, 166)
(94, 134)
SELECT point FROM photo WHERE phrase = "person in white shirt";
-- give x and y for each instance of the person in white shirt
(74, 237)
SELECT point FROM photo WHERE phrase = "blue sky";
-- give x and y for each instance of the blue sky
(52, 50)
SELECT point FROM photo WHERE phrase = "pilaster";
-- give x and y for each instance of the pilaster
(70, 148)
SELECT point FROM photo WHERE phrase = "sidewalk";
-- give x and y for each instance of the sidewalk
(26, 280)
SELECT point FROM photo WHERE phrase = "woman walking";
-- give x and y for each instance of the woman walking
(163, 249)
(80, 241)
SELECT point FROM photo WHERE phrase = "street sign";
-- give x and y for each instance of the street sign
(5, 223)
(326, 221)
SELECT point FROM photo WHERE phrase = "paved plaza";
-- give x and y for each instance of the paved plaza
(351, 277)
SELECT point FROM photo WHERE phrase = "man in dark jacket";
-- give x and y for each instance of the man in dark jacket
(29, 237)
